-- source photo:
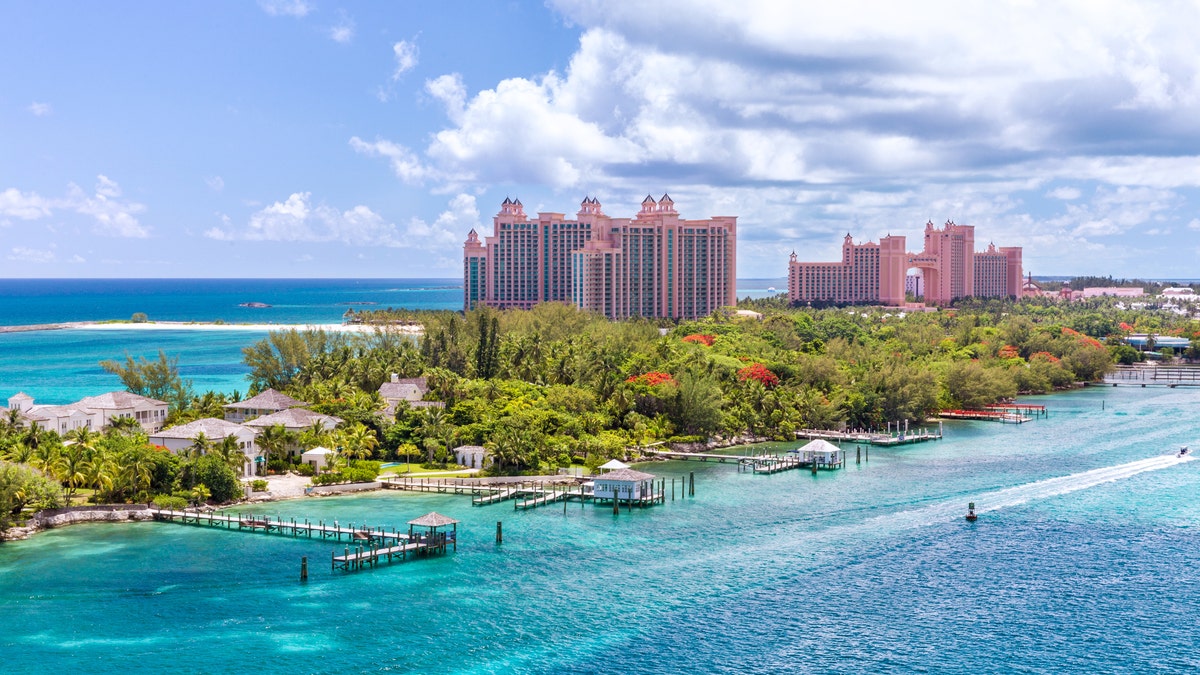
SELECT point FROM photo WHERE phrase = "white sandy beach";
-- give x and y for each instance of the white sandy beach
(259, 327)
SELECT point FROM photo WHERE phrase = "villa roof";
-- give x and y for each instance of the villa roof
(614, 464)
(819, 445)
(20, 396)
(626, 476)
(211, 427)
(318, 452)
(117, 400)
(268, 400)
(400, 390)
(294, 418)
(471, 448)
(432, 519)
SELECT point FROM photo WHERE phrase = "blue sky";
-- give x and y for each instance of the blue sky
(315, 138)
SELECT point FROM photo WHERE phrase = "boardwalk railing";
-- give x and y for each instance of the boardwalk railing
(292, 527)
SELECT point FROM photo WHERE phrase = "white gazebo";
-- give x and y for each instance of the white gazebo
(318, 458)
(613, 465)
(821, 451)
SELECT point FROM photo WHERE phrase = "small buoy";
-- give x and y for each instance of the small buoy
(971, 517)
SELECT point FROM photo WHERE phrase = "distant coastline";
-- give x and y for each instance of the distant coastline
(204, 325)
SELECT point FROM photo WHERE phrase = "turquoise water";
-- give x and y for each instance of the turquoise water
(1082, 562)
(63, 366)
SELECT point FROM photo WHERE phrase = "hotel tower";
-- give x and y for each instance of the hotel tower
(655, 264)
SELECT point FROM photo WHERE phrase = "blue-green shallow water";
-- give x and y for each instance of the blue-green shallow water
(62, 366)
(868, 570)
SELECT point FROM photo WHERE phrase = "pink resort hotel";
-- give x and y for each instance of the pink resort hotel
(949, 267)
(654, 265)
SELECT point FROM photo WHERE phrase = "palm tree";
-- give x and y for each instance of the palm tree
(274, 440)
(200, 445)
(358, 441)
(314, 435)
(123, 425)
(137, 472)
(98, 472)
(71, 467)
(230, 452)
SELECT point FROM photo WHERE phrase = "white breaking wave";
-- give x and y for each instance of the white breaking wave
(1020, 494)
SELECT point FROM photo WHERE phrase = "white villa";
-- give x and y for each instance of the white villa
(294, 420)
(181, 437)
(266, 403)
(623, 484)
(93, 412)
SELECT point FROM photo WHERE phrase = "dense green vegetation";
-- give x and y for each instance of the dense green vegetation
(553, 386)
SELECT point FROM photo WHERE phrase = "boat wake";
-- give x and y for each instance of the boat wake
(1020, 494)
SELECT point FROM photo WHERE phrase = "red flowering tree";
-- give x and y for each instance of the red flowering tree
(758, 372)
(1008, 352)
(1044, 356)
(700, 339)
(652, 378)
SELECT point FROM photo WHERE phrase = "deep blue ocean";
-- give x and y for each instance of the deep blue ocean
(1083, 561)
(62, 366)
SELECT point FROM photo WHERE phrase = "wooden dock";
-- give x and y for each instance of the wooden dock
(292, 528)
(765, 463)
(1019, 409)
(873, 437)
(986, 416)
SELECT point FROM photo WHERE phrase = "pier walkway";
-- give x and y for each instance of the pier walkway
(292, 527)
(872, 438)
(986, 416)
(765, 463)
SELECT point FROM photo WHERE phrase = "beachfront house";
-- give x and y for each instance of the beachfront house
(318, 458)
(472, 456)
(622, 484)
(150, 413)
(181, 438)
(296, 421)
(93, 412)
(266, 403)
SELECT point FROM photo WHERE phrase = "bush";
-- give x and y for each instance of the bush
(305, 470)
(370, 465)
(170, 502)
(359, 475)
(278, 465)
(328, 478)
(258, 485)
(213, 472)
(139, 317)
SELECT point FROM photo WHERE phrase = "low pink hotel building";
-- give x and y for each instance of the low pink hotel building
(874, 273)
(655, 264)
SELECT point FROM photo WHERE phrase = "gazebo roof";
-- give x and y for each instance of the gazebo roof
(626, 476)
(317, 451)
(432, 519)
(614, 464)
(820, 445)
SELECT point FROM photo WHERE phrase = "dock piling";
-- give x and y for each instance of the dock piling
(304, 568)
(499, 533)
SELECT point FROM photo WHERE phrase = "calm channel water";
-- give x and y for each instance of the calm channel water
(1082, 562)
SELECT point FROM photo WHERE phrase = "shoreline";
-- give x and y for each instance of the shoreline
(209, 326)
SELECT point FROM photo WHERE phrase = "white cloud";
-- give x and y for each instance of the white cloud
(450, 90)
(1064, 193)
(31, 255)
(406, 58)
(77, 259)
(26, 206)
(1194, 224)
(40, 109)
(450, 227)
(343, 31)
(215, 183)
(405, 164)
(114, 217)
(298, 219)
(295, 8)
